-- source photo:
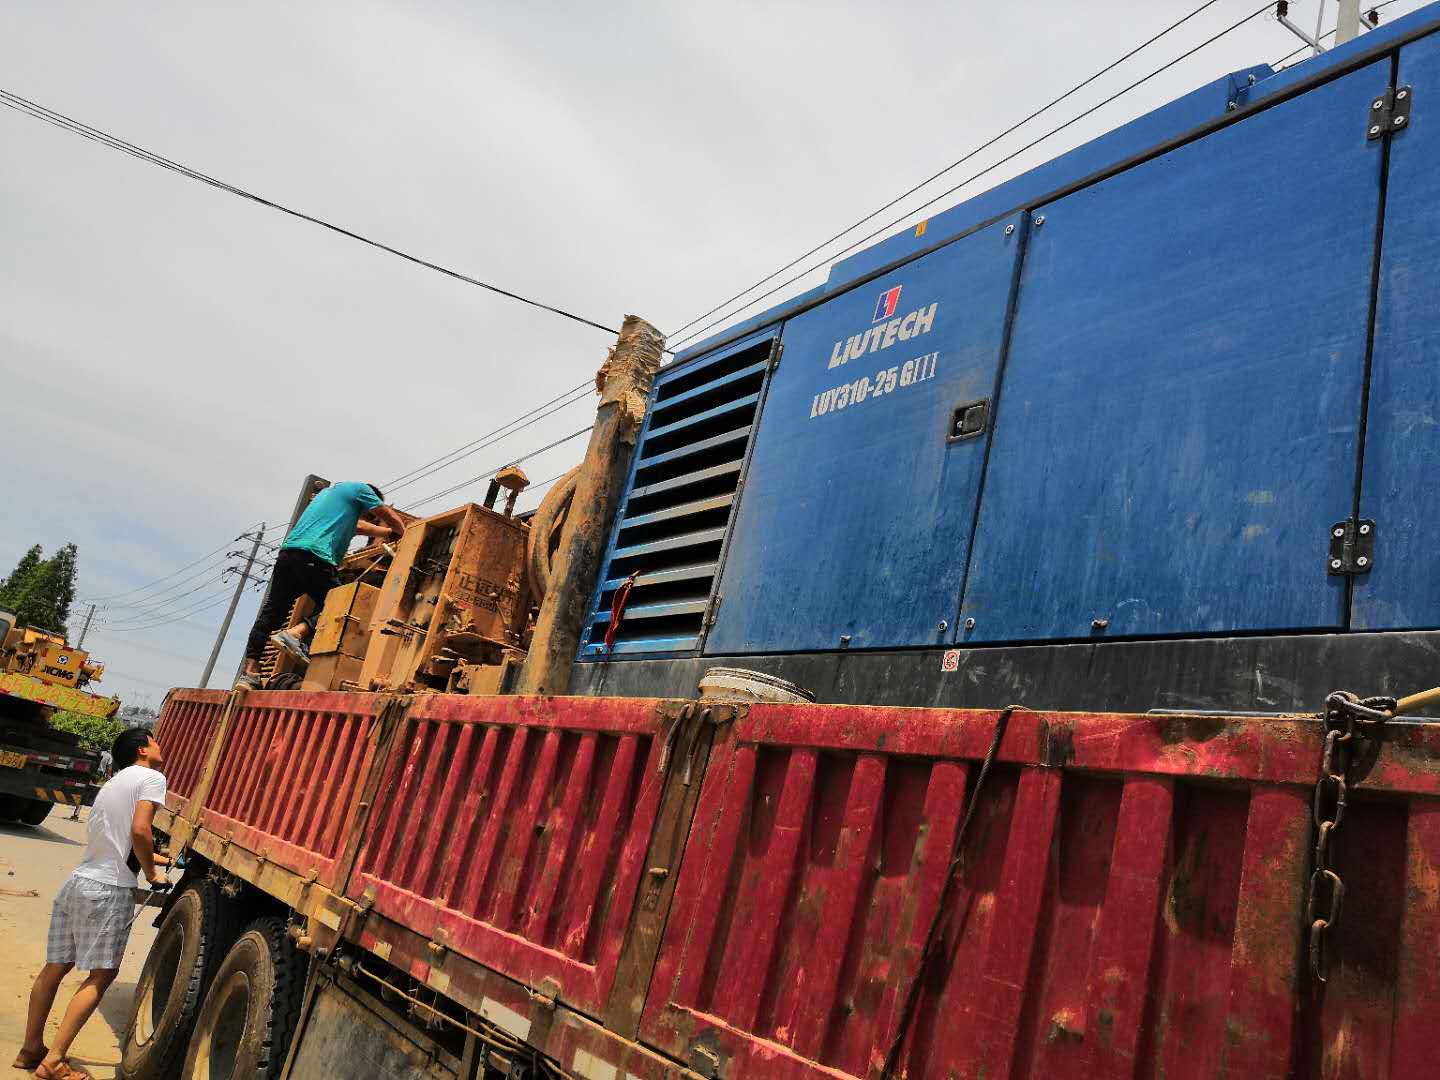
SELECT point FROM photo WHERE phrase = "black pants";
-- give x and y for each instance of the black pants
(297, 573)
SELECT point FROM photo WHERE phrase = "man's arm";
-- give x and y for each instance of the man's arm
(391, 526)
(142, 840)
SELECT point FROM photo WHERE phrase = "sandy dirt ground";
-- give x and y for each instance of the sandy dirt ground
(40, 859)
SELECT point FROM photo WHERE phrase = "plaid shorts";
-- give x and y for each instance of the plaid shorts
(90, 924)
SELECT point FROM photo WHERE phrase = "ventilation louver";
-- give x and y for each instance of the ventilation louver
(683, 484)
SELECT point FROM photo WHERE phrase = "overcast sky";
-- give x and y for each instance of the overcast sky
(173, 360)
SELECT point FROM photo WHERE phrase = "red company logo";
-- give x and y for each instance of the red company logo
(886, 305)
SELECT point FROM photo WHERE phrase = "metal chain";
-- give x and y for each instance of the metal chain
(1345, 718)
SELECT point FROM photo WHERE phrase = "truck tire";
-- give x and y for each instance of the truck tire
(286, 680)
(194, 937)
(252, 1009)
(35, 811)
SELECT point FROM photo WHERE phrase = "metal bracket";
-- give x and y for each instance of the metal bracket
(705, 1061)
(775, 355)
(714, 612)
(1390, 112)
(227, 882)
(363, 906)
(1352, 547)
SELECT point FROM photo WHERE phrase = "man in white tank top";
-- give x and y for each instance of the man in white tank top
(91, 918)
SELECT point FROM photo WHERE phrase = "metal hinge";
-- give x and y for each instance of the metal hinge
(1352, 546)
(1389, 112)
(714, 612)
(775, 355)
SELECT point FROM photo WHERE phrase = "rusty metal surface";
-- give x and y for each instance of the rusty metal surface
(287, 777)
(513, 831)
(454, 595)
(187, 720)
(1131, 905)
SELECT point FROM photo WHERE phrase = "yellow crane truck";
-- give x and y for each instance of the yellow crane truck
(39, 765)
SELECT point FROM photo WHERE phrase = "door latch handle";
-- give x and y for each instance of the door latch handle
(969, 420)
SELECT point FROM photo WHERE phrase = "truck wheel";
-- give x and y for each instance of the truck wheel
(286, 680)
(35, 811)
(195, 935)
(252, 1009)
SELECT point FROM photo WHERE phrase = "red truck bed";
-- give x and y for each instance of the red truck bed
(643, 886)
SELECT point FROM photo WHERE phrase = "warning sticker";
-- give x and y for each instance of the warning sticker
(951, 660)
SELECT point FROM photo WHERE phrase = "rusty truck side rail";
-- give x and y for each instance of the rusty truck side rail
(646, 887)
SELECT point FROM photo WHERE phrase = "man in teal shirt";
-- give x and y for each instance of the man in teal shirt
(307, 562)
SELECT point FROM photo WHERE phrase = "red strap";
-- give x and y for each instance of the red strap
(617, 610)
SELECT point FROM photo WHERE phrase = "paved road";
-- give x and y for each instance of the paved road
(40, 859)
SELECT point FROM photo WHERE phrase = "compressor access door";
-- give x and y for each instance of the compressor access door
(1177, 430)
(856, 515)
(1402, 432)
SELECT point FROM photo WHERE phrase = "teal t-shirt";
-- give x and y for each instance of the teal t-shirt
(328, 524)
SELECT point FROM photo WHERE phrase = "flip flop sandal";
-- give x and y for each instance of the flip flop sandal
(62, 1071)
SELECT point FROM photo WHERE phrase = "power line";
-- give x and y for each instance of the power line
(179, 610)
(146, 619)
(163, 609)
(460, 452)
(170, 606)
(975, 176)
(536, 488)
(948, 168)
(60, 120)
(396, 483)
(205, 603)
(157, 581)
(489, 473)
(179, 617)
(479, 445)
(161, 597)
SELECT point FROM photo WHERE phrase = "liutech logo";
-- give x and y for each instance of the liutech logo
(886, 305)
(884, 331)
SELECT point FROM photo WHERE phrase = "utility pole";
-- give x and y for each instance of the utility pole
(230, 611)
(86, 628)
(1347, 22)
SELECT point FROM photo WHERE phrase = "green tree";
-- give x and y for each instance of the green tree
(95, 732)
(39, 590)
(19, 581)
(58, 586)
